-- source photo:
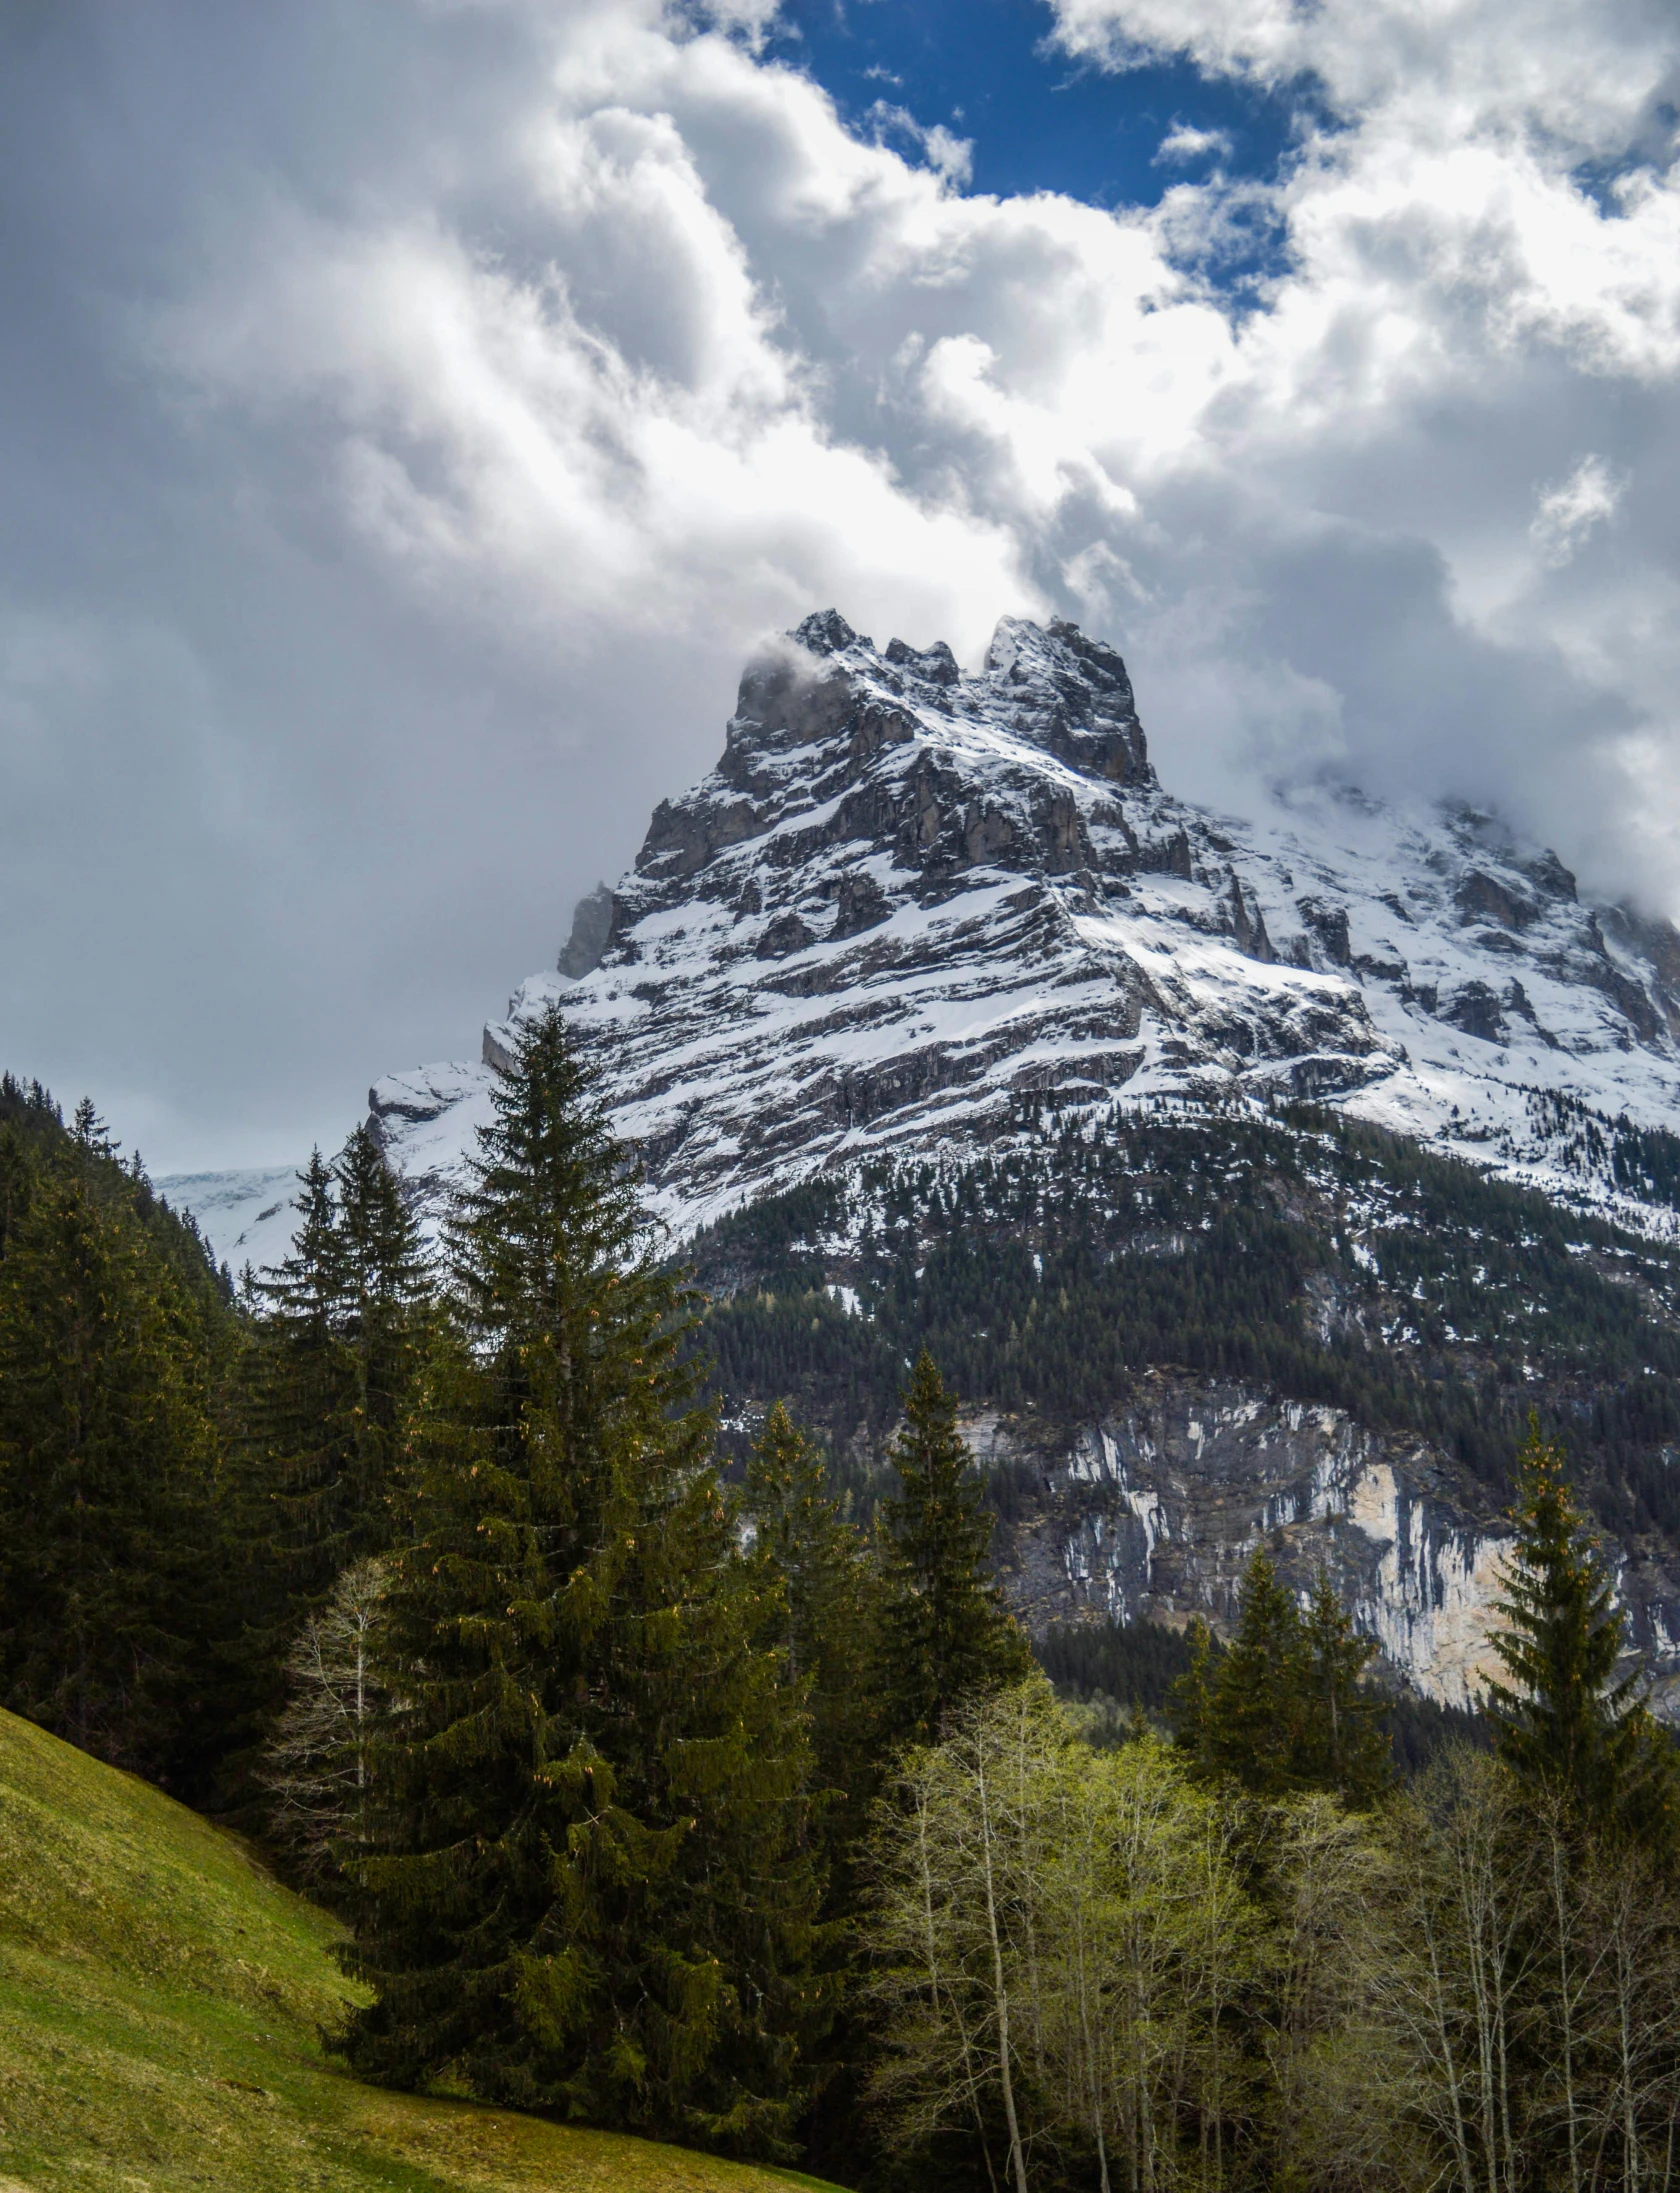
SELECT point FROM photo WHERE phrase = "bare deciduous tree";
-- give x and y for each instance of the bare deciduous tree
(1059, 1936)
(1166, 1985)
(315, 1766)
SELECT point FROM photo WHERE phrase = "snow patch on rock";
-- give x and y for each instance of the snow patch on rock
(910, 895)
(246, 1217)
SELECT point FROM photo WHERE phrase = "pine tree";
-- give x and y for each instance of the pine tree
(811, 1556)
(340, 1330)
(1343, 1746)
(1563, 1723)
(108, 1520)
(16, 1178)
(589, 1886)
(819, 1603)
(945, 1632)
(90, 1133)
(1284, 1709)
(1246, 1721)
(1191, 1697)
(386, 1284)
(303, 1393)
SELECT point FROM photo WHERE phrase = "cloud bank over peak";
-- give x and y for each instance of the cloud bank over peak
(419, 411)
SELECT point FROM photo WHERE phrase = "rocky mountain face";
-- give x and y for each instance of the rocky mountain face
(1185, 1335)
(909, 893)
(1152, 1512)
(917, 911)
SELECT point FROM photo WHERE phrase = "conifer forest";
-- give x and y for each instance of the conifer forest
(675, 1764)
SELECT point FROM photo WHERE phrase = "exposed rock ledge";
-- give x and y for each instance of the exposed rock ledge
(1153, 1513)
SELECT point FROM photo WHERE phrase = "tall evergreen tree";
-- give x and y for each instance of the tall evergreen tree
(340, 1328)
(590, 1888)
(1241, 1716)
(1343, 1745)
(108, 1458)
(303, 1388)
(819, 1606)
(945, 1632)
(16, 1177)
(1283, 1707)
(1562, 1720)
(386, 1284)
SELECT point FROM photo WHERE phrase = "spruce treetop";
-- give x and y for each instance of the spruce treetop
(1564, 1723)
(305, 1288)
(1284, 1708)
(552, 1200)
(948, 1634)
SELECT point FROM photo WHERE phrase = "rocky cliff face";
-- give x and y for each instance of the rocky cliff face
(909, 893)
(912, 902)
(1152, 1513)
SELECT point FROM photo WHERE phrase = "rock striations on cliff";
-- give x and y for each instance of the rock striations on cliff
(909, 893)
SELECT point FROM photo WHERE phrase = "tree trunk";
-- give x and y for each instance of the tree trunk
(1000, 1992)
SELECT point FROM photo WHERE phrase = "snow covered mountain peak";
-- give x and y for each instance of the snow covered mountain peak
(822, 714)
(910, 900)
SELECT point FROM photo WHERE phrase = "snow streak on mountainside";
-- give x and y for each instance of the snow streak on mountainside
(246, 1217)
(909, 895)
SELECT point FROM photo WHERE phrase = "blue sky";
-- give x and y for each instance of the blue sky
(1037, 119)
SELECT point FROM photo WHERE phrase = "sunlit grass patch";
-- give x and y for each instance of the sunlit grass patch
(161, 2006)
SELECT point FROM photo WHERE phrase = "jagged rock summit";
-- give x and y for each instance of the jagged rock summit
(910, 895)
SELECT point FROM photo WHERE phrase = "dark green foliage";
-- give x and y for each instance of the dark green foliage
(383, 1320)
(1241, 1715)
(1310, 1254)
(589, 1888)
(1141, 1664)
(1562, 1720)
(945, 1634)
(16, 1179)
(1283, 1707)
(1047, 1276)
(1643, 1161)
(299, 1387)
(337, 1340)
(1342, 1745)
(334, 1341)
(32, 1129)
(820, 1602)
(1419, 1731)
(114, 1341)
(1135, 1663)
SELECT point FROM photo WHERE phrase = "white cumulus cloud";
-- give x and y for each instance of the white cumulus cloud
(1184, 142)
(464, 396)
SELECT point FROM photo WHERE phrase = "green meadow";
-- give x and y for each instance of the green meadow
(162, 2003)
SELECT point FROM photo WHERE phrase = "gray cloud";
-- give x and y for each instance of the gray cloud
(411, 414)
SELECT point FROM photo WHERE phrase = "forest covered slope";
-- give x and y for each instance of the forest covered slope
(1179, 1331)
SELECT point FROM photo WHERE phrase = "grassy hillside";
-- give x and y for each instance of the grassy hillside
(160, 2005)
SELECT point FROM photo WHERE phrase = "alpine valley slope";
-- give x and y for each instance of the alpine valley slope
(916, 912)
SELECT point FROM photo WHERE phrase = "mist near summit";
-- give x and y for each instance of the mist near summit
(414, 414)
